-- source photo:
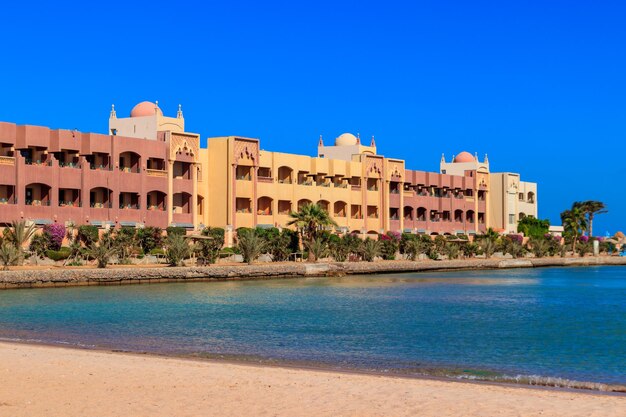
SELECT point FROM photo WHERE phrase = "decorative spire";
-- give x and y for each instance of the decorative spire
(113, 114)
(373, 142)
(321, 142)
(486, 159)
(476, 156)
(179, 115)
(443, 158)
(358, 138)
(156, 107)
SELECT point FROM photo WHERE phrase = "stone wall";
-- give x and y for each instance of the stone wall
(31, 278)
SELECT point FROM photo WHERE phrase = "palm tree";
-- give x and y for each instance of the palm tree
(574, 222)
(590, 209)
(251, 245)
(19, 234)
(309, 221)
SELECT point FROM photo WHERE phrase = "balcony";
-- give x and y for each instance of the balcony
(341, 185)
(69, 164)
(37, 202)
(100, 167)
(129, 206)
(160, 173)
(70, 204)
(7, 160)
(101, 205)
(38, 162)
(265, 179)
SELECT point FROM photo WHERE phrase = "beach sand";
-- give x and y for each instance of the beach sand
(52, 381)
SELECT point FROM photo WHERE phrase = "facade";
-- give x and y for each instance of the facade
(146, 176)
(148, 171)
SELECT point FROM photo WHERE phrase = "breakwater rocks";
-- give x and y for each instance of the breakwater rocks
(60, 277)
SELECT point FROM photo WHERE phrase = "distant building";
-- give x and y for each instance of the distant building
(149, 171)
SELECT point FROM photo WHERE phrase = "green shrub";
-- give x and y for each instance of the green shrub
(58, 255)
(87, 234)
(157, 251)
(177, 249)
(210, 248)
(250, 244)
(370, 249)
(176, 231)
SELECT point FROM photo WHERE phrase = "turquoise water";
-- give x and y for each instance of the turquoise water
(558, 322)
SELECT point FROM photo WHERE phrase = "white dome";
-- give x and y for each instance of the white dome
(346, 139)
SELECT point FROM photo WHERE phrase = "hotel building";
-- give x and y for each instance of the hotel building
(148, 171)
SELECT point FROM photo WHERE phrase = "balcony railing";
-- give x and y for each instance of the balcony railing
(69, 164)
(7, 160)
(30, 161)
(129, 206)
(101, 205)
(37, 203)
(161, 173)
(70, 204)
(101, 167)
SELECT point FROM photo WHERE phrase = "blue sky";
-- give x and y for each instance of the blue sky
(539, 86)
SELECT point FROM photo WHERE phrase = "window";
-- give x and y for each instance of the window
(521, 196)
(511, 218)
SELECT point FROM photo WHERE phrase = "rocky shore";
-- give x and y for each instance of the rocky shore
(60, 277)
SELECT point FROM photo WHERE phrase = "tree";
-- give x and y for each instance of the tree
(370, 249)
(101, 252)
(310, 220)
(319, 248)
(250, 244)
(124, 242)
(149, 238)
(177, 249)
(210, 248)
(533, 227)
(574, 222)
(9, 255)
(591, 208)
(487, 246)
(18, 235)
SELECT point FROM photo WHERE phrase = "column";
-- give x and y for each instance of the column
(194, 195)
(170, 192)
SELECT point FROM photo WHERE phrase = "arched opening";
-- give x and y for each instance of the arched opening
(458, 216)
(129, 201)
(469, 216)
(531, 197)
(156, 200)
(264, 206)
(302, 203)
(421, 214)
(200, 206)
(182, 203)
(522, 215)
(323, 205)
(408, 213)
(340, 209)
(37, 194)
(285, 175)
(130, 162)
(100, 197)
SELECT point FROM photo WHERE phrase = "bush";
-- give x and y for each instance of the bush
(370, 249)
(318, 247)
(157, 251)
(250, 244)
(176, 231)
(58, 255)
(177, 249)
(389, 245)
(9, 255)
(87, 234)
(210, 248)
(55, 233)
(149, 238)
(39, 244)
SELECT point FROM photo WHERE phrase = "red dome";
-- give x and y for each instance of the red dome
(464, 157)
(145, 108)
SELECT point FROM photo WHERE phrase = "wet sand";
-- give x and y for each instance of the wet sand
(53, 381)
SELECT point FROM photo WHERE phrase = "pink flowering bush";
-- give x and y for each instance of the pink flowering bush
(584, 239)
(54, 232)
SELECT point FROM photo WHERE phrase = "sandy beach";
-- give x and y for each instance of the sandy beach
(53, 381)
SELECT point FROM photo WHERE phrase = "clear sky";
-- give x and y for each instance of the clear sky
(539, 86)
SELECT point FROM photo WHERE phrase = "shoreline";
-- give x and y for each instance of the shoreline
(67, 276)
(46, 380)
(583, 387)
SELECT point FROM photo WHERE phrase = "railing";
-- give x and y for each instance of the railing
(100, 167)
(101, 205)
(7, 160)
(37, 203)
(70, 204)
(69, 164)
(161, 173)
(30, 161)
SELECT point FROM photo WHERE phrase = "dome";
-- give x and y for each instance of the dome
(346, 139)
(145, 108)
(464, 157)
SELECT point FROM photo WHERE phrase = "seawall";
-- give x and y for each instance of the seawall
(61, 277)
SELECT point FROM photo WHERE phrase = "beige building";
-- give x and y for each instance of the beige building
(511, 200)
